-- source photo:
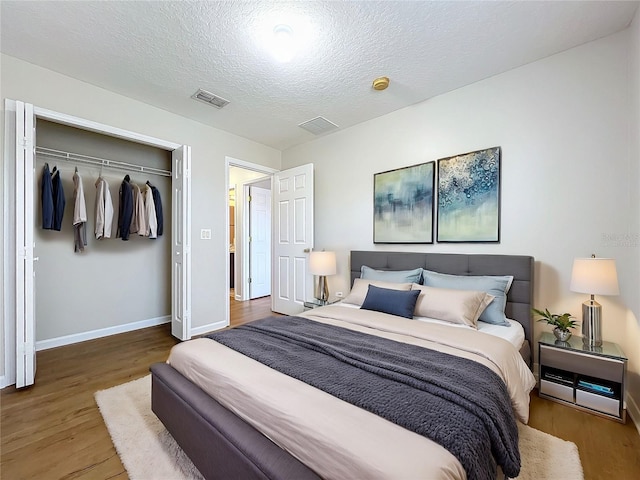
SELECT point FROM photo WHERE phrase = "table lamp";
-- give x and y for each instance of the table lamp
(322, 264)
(595, 276)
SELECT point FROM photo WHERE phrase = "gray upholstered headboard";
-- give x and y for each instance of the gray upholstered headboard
(519, 298)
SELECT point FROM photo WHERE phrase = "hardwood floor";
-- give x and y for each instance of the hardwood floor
(54, 430)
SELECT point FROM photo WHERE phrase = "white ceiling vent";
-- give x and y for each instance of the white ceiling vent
(210, 98)
(318, 125)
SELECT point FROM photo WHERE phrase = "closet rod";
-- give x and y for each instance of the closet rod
(101, 162)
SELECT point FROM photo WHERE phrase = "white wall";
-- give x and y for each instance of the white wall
(48, 89)
(632, 325)
(569, 178)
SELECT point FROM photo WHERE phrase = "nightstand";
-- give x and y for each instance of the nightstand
(316, 303)
(587, 378)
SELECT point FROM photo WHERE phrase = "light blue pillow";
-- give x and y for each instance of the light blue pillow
(498, 286)
(394, 276)
(393, 302)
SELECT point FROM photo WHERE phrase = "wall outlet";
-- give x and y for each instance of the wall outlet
(205, 234)
(339, 294)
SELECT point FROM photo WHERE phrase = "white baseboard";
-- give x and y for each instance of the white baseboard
(3, 379)
(211, 327)
(102, 332)
(633, 411)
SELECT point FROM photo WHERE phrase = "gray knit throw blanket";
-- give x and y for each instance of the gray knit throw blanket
(456, 402)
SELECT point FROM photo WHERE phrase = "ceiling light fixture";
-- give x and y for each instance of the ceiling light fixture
(381, 83)
(284, 46)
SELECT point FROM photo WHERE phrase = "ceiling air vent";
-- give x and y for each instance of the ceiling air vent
(210, 98)
(318, 125)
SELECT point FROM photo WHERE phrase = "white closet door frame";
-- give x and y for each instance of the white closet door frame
(23, 319)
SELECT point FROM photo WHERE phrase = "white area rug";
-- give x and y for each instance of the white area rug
(148, 451)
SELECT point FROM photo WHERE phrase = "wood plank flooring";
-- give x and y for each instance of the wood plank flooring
(54, 430)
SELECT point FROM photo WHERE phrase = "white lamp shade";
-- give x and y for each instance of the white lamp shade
(322, 263)
(595, 276)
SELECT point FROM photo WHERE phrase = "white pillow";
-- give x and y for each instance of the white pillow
(361, 287)
(455, 306)
(496, 285)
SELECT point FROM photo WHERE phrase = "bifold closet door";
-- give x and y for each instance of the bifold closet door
(25, 273)
(21, 215)
(181, 243)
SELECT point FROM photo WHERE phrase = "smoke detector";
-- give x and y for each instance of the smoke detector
(210, 98)
(381, 83)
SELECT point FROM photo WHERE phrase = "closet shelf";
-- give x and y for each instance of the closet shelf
(101, 162)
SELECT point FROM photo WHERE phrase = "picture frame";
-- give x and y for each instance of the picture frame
(469, 197)
(403, 206)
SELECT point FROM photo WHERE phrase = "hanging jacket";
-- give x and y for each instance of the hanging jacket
(103, 210)
(150, 213)
(59, 201)
(46, 195)
(79, 215)
(157, 201)
(125, 209)
(138, 221)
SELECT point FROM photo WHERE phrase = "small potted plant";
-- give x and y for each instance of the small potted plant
(562, 323)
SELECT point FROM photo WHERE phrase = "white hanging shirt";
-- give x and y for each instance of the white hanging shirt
(150, 213)
(104, 209)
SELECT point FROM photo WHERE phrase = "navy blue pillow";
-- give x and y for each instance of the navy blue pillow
(393, 302)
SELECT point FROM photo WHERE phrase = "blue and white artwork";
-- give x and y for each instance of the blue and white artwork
(469, 197)
(403, 205)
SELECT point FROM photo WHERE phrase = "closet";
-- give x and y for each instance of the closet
(112, 286)
(112, 282)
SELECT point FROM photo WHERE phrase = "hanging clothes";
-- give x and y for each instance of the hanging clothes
(157, 201)
(59, 201)
(79, 215)
(46, 196)
(150, 213)
(103, 210)
(138, 221)
(125, 209)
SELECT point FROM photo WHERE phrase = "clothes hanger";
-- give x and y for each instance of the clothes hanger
(127, 178)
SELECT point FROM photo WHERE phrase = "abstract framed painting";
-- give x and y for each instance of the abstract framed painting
(403, 204)
(469, 197)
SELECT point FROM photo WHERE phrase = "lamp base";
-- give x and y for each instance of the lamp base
(322, 292)
(591, 323)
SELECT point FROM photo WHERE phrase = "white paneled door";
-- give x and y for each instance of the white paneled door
(259, 242)
(293, 239)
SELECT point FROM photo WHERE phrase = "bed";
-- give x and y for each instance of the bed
(224, 445)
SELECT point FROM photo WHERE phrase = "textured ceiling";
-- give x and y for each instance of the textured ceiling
(162, 52)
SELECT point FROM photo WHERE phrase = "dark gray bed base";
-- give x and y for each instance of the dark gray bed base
(519, 298)
(222, 446)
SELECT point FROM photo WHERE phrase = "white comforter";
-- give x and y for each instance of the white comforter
(332, 437)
